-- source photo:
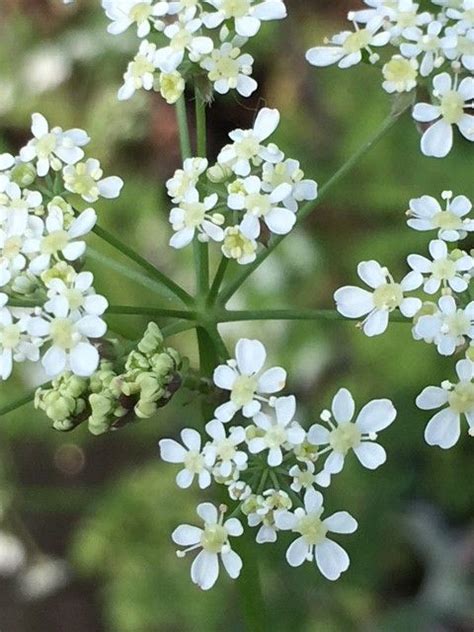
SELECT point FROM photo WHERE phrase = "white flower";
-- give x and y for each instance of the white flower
(463, 13)
(259, 205)
(247, 148)
(425, 43)
(85, 179)
(303, 479)
(70, 348)
(191, 456)
(140, 71)
(444, 428)
(15, 344)
(266, 508)
(247, 14)
(124, 13)
(403, 16)
(76, 296)
(354, 302)
(459, 47)
(239, 247)
(446, 269)
(228, 70)
(450, 222)
(239, 490)
(448, 327)
(53, 148)
(345, 435)
(182, 36)
(312, 542)
(186, 178)
(277, 431)
(213, 541)
(245, 379)
(400, 74)
(289, 172)
(58, 241)
(193, 215)
(223, 452)
(16, 204)
(6, 161)
(437, 140)
(345, 49)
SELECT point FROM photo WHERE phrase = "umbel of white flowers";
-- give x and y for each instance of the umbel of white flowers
(277, 492)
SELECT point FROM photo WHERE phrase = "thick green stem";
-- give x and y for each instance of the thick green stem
(146, 265)
(156, 312)
(229, 316)
(183, 128)
(308, 208)
(217, 282)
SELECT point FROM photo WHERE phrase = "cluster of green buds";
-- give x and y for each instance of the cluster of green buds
(118, 393)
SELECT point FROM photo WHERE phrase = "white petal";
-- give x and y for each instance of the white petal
(191, 439)
(186, 535)
(437, 141)
(332, 560)
(443, 429)
(171, 451)
(110, 187)
(250, 356)
(432, 397)
(84, 359)
(54, 361)
(313, 500)
(234, 527)
(371, 455)
(376, 323)
(318, 435)
(280, 220)
(205, 570)
(353, 302)
(83, 224)
(343, 406)
(296, 552)
(208, 513)
(272, 381)
(341, 522)
(266, 123)
(232, 564)
(371, 272)
(376, 415)
(224, 377)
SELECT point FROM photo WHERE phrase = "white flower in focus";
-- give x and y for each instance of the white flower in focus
(289, 172)
(400, 74)
(247, 382)
(213, 540)
(58, 241)
(193, 215)
(247, 148)
(247, 14)
(85, 179)
(425, 43)
(223, 452)
(124, 13)
(258, 205)
(447, 328)
(437, 140)
(186, 178)
(303, 479)
(446, 269)
(266, 508)
(171, 85)
(183, 38)
(312, 542)
(239, 490)
(140, 71)
(359, 436)
(403, 16)
(354, 302)
(190, 455)
(277, 431)
(53, 148)
(228, 70)
(76, 296)
(15, 344)
(444, 428)
(451, 223)
(464, 14)
(459, 47)
(239, 247)
(345, 49)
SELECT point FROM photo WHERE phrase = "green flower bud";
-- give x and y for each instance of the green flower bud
(23, 174)
(217, 174)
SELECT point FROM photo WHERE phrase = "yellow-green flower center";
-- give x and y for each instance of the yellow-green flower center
(195, 212)
(235, 8)
(10, 336)
(194, 462)
(345, 437)
(62, 333)
(45, 145)
(54, 242)
(214, 538)
(356, 41)
(461, 399)
(447, 220)
(312, 529)
(388, 296)
(140, 12)
(452, 107)
(243, 390)
(444, 269)
(258, 204)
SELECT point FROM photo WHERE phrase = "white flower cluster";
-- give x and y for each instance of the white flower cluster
(184, 38)
(257, 189)
(445, 318)
(433, 48)
(269, 465)
(41, 245)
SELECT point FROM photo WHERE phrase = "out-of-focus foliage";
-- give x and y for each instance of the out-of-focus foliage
(105, 504)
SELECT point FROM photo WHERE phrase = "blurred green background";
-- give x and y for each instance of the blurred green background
(95, 514)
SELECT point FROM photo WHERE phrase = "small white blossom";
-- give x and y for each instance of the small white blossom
(140, 71)
(400, 74)
(452, 225)
(245, 379)
(266, 508)
(76, 296)
(354, 302)
(186, 178)
(183, 38)
(437, 140)
(289, 172)
(223, 453)
(444, 428)
(228, 69)
(246, 14)
(124, 13)
(85, 179)
(193, 215)
(239, 247)
(15, 344)
(312, 543)
(359, 436)
(213, 540)
(444, 270)
(425, 44)
(190, 455)
(448, 327)
(303, 478)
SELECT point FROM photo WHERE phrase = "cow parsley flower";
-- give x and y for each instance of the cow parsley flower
(303, 479)
(193, 215)
(359, 436)
(85, 179)
(444, 428)
(190, 455)
(75, 295)
(228, 69)
(277, 431)
(213, 540)
(448, 327)
(15, 343)
(183, 38)
(289, 172)
(246, 14)
(53, 148)
(444, 270)
(140, 71)
(143, 13)
(312, 543)
(400, 74)
(437, 140)
(239, 247)
(264, 509)
(387, 295)
(246, 380)
(186, 178)
(451, 222)
(424, 43)
(223, 451)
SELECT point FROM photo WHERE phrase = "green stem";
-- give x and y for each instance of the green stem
(183, 128)
(146, 265)
(228, 316)
(201, 250)
(309, 207)
(150, 311)
(21, 401)
(218, 279)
